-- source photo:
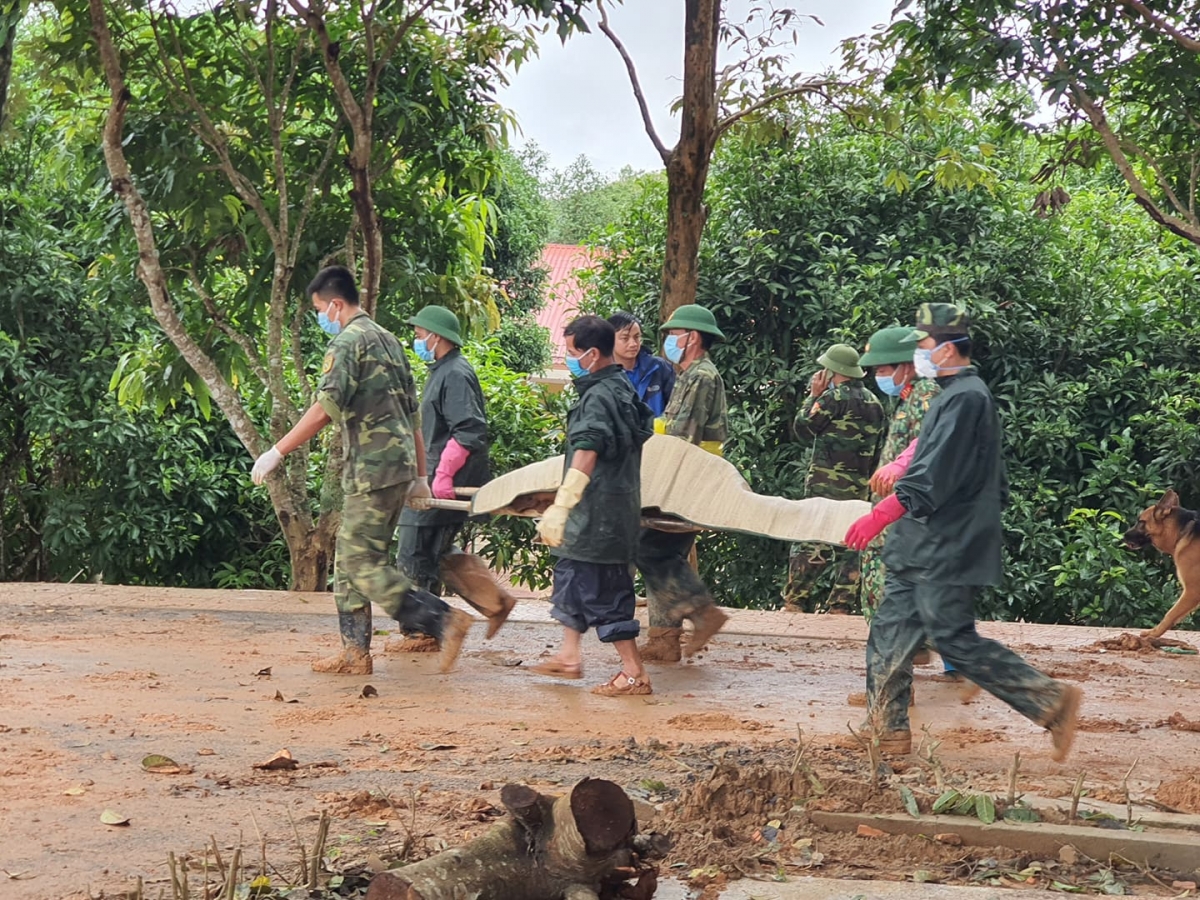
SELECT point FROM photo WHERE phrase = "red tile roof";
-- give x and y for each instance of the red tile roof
(563, 290)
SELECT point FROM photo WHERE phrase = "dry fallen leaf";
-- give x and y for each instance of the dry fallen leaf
(76, 791)
(279, 696)
(436, 747)
(158, 764)
(206, 751)
(369, 691)
(264, 673)
(281, 760)
(111, 817)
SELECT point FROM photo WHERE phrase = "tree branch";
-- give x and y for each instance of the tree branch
(1162, 25)
(1158, 173)
(1112, 144)
(637, 87)
(809, 87)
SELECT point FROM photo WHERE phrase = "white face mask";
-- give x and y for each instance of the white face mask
(924, 364)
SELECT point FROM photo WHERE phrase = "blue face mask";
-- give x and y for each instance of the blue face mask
(888, 385)
(672, 349)
(327, 326)
(421, 348)
(575, 367)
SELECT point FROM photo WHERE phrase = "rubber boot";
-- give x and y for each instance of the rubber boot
(1063, 720)
(422, 611)
(895, 743)
(355, 656)
(705, 623)
(662, 645)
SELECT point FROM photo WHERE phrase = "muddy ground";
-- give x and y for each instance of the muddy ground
(94, 679)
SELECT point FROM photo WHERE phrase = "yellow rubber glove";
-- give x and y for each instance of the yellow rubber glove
(553, 523)
(660, 425)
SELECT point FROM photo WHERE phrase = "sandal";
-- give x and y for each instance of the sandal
(622, 685)
(552, 668)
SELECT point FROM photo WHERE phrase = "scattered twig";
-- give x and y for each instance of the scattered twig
(1012, 779)
(318, 851)
(870, 744)
(1076, 793)
(1125, 788)
(231, 882)
(217, 856)
(799, 764)
(930, 747)
(262, 844)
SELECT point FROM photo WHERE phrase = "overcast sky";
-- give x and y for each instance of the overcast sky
(576, 98)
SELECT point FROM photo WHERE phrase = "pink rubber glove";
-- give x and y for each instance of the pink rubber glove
(454, 457)
(885, 477)
(870, 526)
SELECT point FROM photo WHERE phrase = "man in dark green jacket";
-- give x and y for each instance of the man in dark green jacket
(594, 522)
(454, 427)
(944, 544)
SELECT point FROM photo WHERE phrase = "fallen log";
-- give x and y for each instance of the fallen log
(580, 846)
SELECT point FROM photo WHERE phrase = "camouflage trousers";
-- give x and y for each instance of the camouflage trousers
(673, 589)
(362, 570)
(806, 561)
(946, 613)
(871, 577)
(420, 553)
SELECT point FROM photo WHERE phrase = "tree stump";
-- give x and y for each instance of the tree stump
(579, 846)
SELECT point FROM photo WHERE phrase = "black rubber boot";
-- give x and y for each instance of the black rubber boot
(422, 613)
(355, 656)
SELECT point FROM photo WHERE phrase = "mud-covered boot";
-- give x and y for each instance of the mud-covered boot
(355, 655)
(662, 645)
(895, 743)
(469, 576)
(429, 614)
(1063, 720)
(413, 643)
(705, 623)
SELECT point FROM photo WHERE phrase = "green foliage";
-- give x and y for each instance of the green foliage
(1130, 72)
(1081, 326)
(89, 489)
(584, 203)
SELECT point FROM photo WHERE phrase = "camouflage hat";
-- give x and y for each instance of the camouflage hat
(694, 317)
(936, 319)
(440, 321)
(842, 359)
(889, 347)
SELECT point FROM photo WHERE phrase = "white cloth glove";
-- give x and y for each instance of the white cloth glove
(265, 465)
(419, 494)
(553, 524)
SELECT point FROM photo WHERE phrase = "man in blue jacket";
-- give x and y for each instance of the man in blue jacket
(652, 377)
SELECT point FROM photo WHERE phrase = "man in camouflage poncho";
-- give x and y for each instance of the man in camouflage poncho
(844, 421)
(889, 352)
(696, 413)
(367, 387)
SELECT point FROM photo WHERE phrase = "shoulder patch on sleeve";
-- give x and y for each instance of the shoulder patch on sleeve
(327, 364)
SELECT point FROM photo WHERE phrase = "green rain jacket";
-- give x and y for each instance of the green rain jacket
(608, 418)
(953, 491)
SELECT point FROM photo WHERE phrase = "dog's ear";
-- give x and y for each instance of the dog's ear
(1168, 502)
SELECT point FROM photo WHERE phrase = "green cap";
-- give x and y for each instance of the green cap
(889, 347)
(694, 318)
(936, 319)
(842, 359)
(440, 321)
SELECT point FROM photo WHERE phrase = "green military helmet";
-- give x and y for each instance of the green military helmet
(842, 359)
(937, 319)
(694, 317)
(440, 321)
(889, 347)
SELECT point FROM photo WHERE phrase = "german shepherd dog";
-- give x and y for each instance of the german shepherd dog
(1174, 530)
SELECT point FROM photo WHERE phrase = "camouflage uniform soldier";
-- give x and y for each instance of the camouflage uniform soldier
(366, 385)
(844, 421)
(943, 545)
(696, 413)
(891, 357)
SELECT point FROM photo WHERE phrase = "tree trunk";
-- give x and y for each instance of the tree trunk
(687, 166)
(579, 846)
